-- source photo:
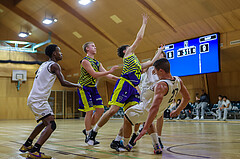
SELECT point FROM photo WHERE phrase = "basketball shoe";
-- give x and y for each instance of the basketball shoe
(25, 148)
(157, 149)
(38, 155)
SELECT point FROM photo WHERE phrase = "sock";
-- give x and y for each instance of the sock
(125, 141)
(96, 128)
(87, 132)
(36, 147)
(154, 137)
(28, 142)
(118, 138)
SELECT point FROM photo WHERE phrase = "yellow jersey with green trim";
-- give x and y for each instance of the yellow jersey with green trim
(85, 78)
(132, 69)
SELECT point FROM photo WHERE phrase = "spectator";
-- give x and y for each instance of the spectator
(197, 99)
(182, 112)
(188, 110)
(226, 106)
(220, 101)
(202, 104)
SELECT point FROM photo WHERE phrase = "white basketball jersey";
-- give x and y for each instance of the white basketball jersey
(174, 87)
(147, 80)
(43, 83)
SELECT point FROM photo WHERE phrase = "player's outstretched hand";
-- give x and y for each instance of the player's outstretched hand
(143, 132)
(145, 18)
(161, 48)
(113, 68)
(174, 113)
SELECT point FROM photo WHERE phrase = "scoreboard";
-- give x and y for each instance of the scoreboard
(194, 56)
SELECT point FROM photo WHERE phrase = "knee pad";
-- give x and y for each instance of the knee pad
(53, 125)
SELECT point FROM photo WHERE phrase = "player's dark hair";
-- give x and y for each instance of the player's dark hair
(162, 64)
(86, 45)
(220, 96)
(164, 54)
(121, 49)
(50, 49)
(225, 97)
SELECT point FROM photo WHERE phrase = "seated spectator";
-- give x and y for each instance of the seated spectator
(182, 112)
(220, 101)
(188, 111)
(204, 100)
(225, 106)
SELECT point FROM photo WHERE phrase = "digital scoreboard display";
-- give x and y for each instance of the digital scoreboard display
(194, 56)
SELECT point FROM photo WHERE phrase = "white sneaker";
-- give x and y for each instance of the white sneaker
(187, 118)
(122, 149)
(196, 118)
(90, 142)
(202, 117)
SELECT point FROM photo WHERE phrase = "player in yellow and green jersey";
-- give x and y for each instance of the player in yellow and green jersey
(89, 98)
(124, 93)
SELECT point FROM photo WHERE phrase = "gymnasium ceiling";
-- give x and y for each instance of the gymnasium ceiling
(170, 21)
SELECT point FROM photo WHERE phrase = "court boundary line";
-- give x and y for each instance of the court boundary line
(94, 151)
(179, 153)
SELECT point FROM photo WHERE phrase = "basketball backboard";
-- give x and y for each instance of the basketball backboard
(19, 75)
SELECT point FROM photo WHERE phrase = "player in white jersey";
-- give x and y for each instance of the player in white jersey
(38, 101)
(154, 102)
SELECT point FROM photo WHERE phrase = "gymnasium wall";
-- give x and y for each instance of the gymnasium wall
(13, 103)
(221, 83)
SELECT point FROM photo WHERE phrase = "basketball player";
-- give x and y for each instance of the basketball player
(89, 98)
(124, 93)
(38, 101)
(160, 95)
(147, 80)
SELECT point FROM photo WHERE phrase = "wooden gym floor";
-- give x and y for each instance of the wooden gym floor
(182, 140)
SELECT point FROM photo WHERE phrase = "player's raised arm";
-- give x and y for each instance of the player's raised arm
(110, 76)
(139, 36)
(55, 68)
(160, 90)
(185, 99)
(155, 58)
(88, 67)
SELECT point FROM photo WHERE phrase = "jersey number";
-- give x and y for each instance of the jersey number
(174, 93)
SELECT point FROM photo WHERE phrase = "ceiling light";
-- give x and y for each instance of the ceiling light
(49, 20)
(85, 2)
(24, 34)
(77, 34)
(116, 19)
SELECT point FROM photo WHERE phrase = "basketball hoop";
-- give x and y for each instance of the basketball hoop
(19, 76)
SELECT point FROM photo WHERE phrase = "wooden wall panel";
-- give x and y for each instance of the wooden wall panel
(13, 103)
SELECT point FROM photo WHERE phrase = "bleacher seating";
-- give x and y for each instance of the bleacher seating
(210, 111)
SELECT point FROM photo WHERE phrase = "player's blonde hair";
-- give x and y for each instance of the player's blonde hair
(86, 45)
